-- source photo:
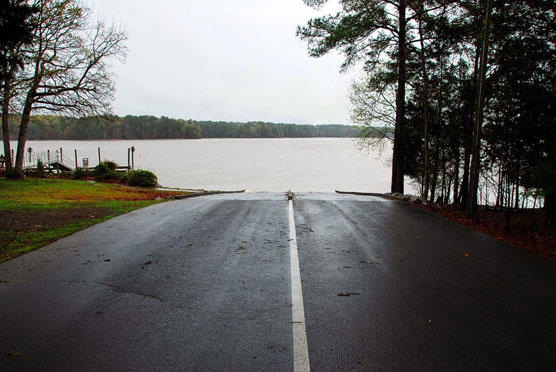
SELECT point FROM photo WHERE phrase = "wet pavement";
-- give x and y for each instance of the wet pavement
(205, 284)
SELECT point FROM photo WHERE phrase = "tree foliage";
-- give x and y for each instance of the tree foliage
(443, 42)
(65, 66)
(16, 31)
(16, 28)
(376, 32)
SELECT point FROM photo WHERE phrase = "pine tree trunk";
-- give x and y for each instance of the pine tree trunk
(443, 194)
(456, 176)
(476, 149)
(425, 102)
(434, 180)
(398, 157)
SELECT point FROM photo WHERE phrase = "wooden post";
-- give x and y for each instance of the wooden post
(76, 159)
(128, 157)
(99, 155)
(132, 157)
(13, 159)
(61, 155)
(48, 156)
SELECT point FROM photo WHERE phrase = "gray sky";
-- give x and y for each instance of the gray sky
(231, 60)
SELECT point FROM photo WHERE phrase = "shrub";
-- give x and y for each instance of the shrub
(111, 165)
(80, 173)
(65, 175)
(143, 178)
(106, 171)
(40, 169)
(111, 175)
(101, 169)
(124, 177)
(104, 167)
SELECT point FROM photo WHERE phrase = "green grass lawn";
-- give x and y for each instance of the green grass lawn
(35, 212)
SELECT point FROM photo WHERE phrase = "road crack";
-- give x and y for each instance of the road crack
(119, 289)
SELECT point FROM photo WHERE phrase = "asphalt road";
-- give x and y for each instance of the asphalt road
(205, 284)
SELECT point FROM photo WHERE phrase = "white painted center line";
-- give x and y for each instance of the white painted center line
(300, 351)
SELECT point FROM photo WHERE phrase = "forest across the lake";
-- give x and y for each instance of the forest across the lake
(51, 127)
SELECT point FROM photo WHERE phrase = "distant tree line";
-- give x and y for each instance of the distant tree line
(50, 127)
(212, 129)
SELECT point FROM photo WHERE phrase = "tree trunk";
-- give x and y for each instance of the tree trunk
(25, 118)
(517, 187)
(476, 149)
(426, 170)
(456, 176)
(434, 181)
(464, 190)
(6, 126)
(443, 189)
(398, 157)
(500, 192)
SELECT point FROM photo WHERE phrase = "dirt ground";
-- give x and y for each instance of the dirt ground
(44, 219)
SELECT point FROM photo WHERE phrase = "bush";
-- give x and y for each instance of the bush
(111, 175)
(106, 171)
(143, 178)
(124, 177)
(101, 169)
(79, 173)
(40, 169)
(111, 165)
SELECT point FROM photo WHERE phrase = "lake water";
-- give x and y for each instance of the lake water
(299, 164)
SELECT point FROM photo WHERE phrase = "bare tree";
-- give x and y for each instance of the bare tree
(373, 108)
(68, 68)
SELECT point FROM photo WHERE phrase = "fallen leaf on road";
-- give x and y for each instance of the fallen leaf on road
(370, 262)
(347, 294)
(13, 354)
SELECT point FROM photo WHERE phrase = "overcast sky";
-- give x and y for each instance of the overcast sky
(230, 60)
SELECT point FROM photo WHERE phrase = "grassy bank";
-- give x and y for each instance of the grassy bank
(35, 212)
